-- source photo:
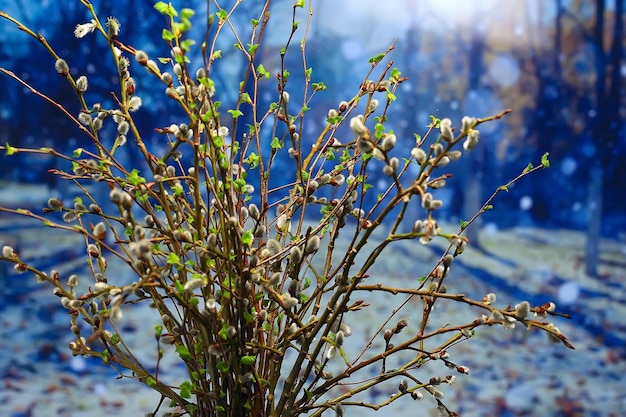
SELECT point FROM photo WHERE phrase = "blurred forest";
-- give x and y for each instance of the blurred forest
(558, 64)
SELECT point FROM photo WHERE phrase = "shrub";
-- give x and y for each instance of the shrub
(254, 262)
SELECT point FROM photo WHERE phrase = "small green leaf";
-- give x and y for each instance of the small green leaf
(187, 13)
(187, 44)
(9, 150)
(376, 58)
(166, 8)
(335, 119)
(248, 360)
(319, 86)
(167, 35)
(134, 178)
(183, 352)
(222, 14)
(276, 143)
(253, 159)
(544, 160)
(150, 381)
(252, 48)
(158, 330)
(222, 366)
(528, 168)
(395, 74)
(235, 113)
(173, 259)
(247, 238)
(299, 3)
(504, 188)
(185, 389)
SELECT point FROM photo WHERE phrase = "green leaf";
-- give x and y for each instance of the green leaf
(158, 330)
(166, 8)
(464, 224)
(253, 159)
(222, 14)
(235, 113)
(504, 188)
(134, 178)
(185, 389)
(334, 119)
(252, 48)
(115, 338)
(150, 381)
(167, 35)
(105, 357)
(245, 98)
(183, 352)
(395, 74)
(247, 238)
(187, 44)
(319, 86)
(379, 128)
(376, 58)
(222, 366)
(528, 168)
(9, 150)
(248, 360)
(187, 13)
(173, 259)
(544, 160)
(299, 3)
(249, 318)
(276, 143)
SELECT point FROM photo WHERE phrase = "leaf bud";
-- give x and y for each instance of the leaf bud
(357, 126)
(388, 142)
(62, 68)
(82, 84)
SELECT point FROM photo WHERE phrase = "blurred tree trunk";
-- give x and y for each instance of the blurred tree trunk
(473, 169)
(606, 125)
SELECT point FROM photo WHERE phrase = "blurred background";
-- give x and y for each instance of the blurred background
(559, 235)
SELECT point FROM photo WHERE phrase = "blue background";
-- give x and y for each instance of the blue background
(559, 65)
